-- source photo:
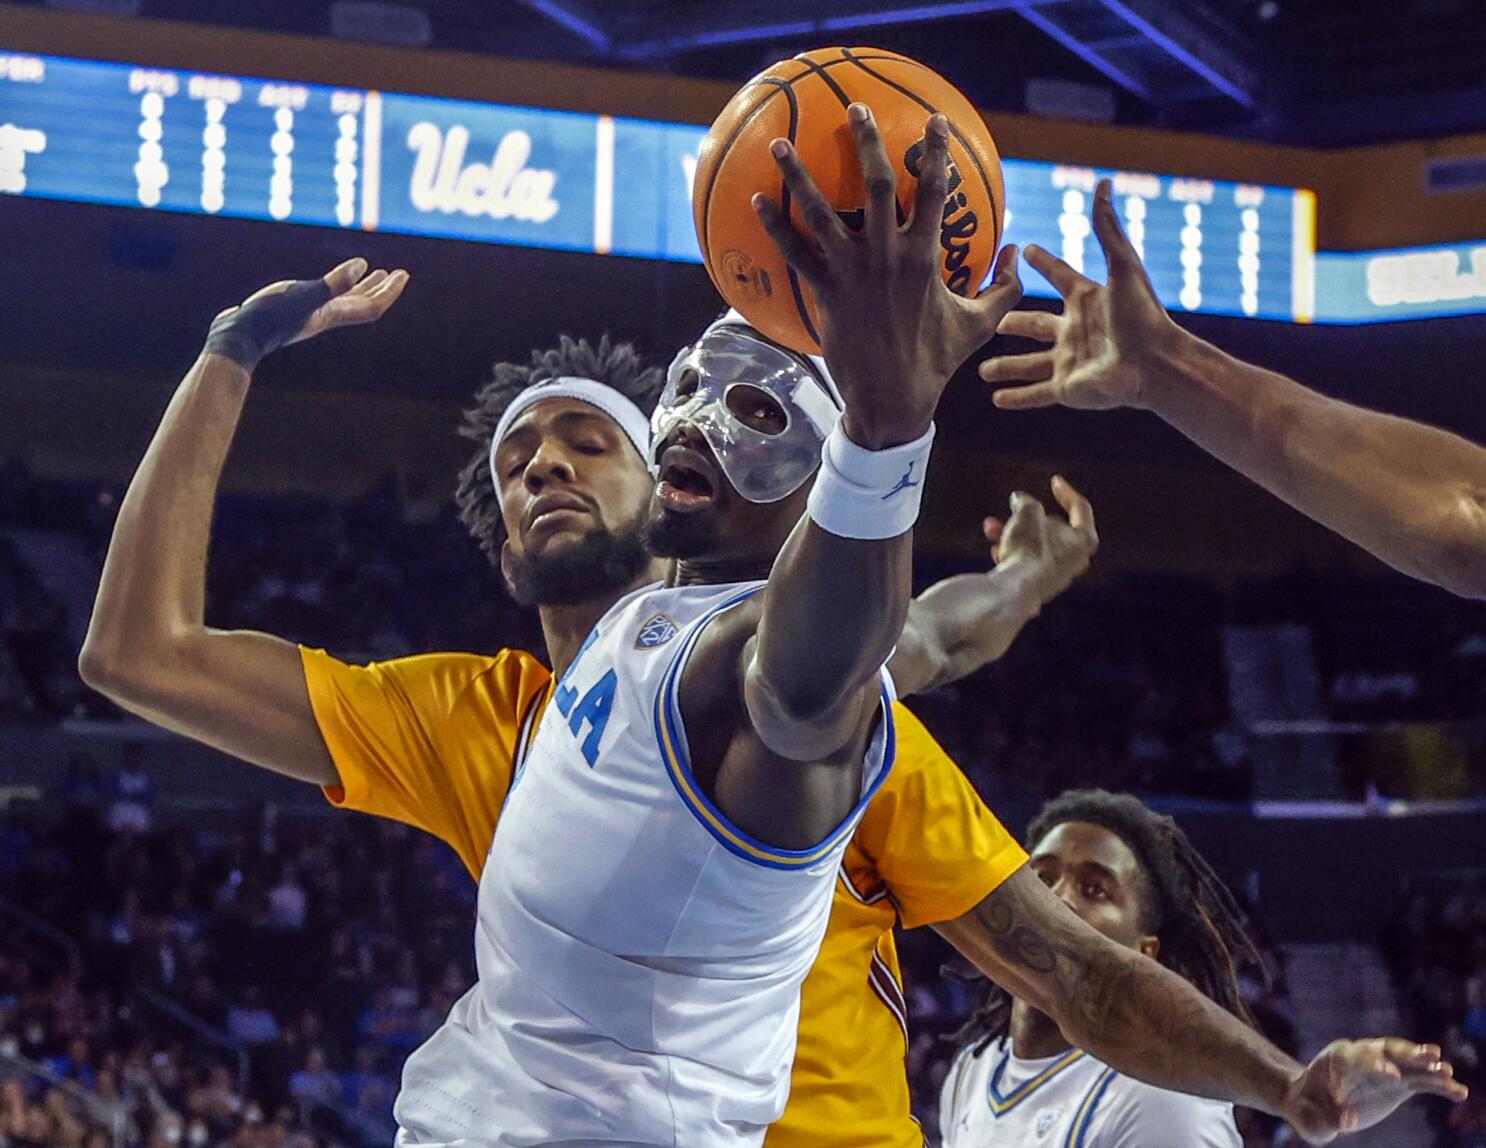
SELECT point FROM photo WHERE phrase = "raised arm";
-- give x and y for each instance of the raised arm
(1413, 495)
(892, 334)
(1147, 1022)
(962, 623)
(148, 645)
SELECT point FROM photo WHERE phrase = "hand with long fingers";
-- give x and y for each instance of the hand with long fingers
(1051, 552)
(892, 332)
(967, 621)
(295, 309)
(1353, 1084)
(1106, 341)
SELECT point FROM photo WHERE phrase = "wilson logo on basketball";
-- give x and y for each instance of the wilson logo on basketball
(959, 226)
(740, 269)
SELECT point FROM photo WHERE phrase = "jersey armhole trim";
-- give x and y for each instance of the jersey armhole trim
(671, 737)
(878, 894)
(524, 735)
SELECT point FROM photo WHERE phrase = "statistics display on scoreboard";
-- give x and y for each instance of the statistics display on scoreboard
(1209, 246)
(380, 161)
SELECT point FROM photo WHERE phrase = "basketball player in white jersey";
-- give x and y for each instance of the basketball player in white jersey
(1133, 875)
(661, 879)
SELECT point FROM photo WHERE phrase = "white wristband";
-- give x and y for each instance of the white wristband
(869, 493)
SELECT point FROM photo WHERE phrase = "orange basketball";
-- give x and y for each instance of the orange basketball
(804, 100)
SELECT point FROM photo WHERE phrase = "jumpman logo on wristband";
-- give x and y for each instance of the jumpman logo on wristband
(903, 483)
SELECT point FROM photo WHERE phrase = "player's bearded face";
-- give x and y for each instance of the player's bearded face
(597, 562)
(573, 498)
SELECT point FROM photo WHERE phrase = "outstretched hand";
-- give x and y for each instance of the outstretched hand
(892, 331)
(1051, 551)
(967, 621)
(295, 309)
(1353, 1084)
(1104, 345)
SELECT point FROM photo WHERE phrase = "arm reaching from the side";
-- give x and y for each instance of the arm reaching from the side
(1144, 1020)
(893, 334)
(967, 621)
(148, 645)
(1413, 495)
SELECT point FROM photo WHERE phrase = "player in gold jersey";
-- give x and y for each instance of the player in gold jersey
(435, 740)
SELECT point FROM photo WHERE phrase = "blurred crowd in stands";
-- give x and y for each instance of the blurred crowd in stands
(255, 980)
(1127, 683)
(1436, 950)
(248, 980)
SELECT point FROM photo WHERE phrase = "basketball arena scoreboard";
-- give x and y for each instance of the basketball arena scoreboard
(358, 159)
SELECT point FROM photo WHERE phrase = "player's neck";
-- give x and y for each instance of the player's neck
(1034, 1035)
(566, 628)
(701, 572)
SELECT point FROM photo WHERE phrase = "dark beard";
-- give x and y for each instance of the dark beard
(601, 563)
(668, 535)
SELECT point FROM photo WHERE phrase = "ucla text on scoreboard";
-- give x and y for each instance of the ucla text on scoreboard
(354, 158)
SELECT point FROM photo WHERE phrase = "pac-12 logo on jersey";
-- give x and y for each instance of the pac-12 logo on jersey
(656, 632)
(1046, 1120)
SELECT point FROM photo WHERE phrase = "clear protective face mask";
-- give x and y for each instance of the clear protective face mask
(761, 466)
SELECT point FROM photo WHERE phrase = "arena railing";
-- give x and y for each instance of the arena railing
(49, 934)
(205, 1032)
(60, 941)
(111, 1115)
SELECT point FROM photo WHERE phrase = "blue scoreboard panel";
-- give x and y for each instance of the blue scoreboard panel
(1410, 283)
(381, 161)
(1209, 246)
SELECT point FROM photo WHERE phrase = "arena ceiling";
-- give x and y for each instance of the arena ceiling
(1314, 72)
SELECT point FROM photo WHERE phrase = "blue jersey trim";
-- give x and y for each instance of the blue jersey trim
(1081, 1122)
(671, 738)
(1000, 1104)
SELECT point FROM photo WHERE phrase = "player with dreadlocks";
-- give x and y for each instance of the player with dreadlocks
(1133, 875)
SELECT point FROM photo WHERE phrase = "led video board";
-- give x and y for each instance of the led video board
(354, 158)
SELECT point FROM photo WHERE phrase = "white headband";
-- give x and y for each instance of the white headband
(628, 417)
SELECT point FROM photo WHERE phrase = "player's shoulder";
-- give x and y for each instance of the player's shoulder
(921, 760)
(972, 1060)
(650, 617)
(1150, 1115)
(974, 1053)
(966, 1080)
(694, 600)
(507, 674)
(507, 670)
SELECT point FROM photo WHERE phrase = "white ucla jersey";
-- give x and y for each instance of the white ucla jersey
(640, 957)
(996, 1100)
